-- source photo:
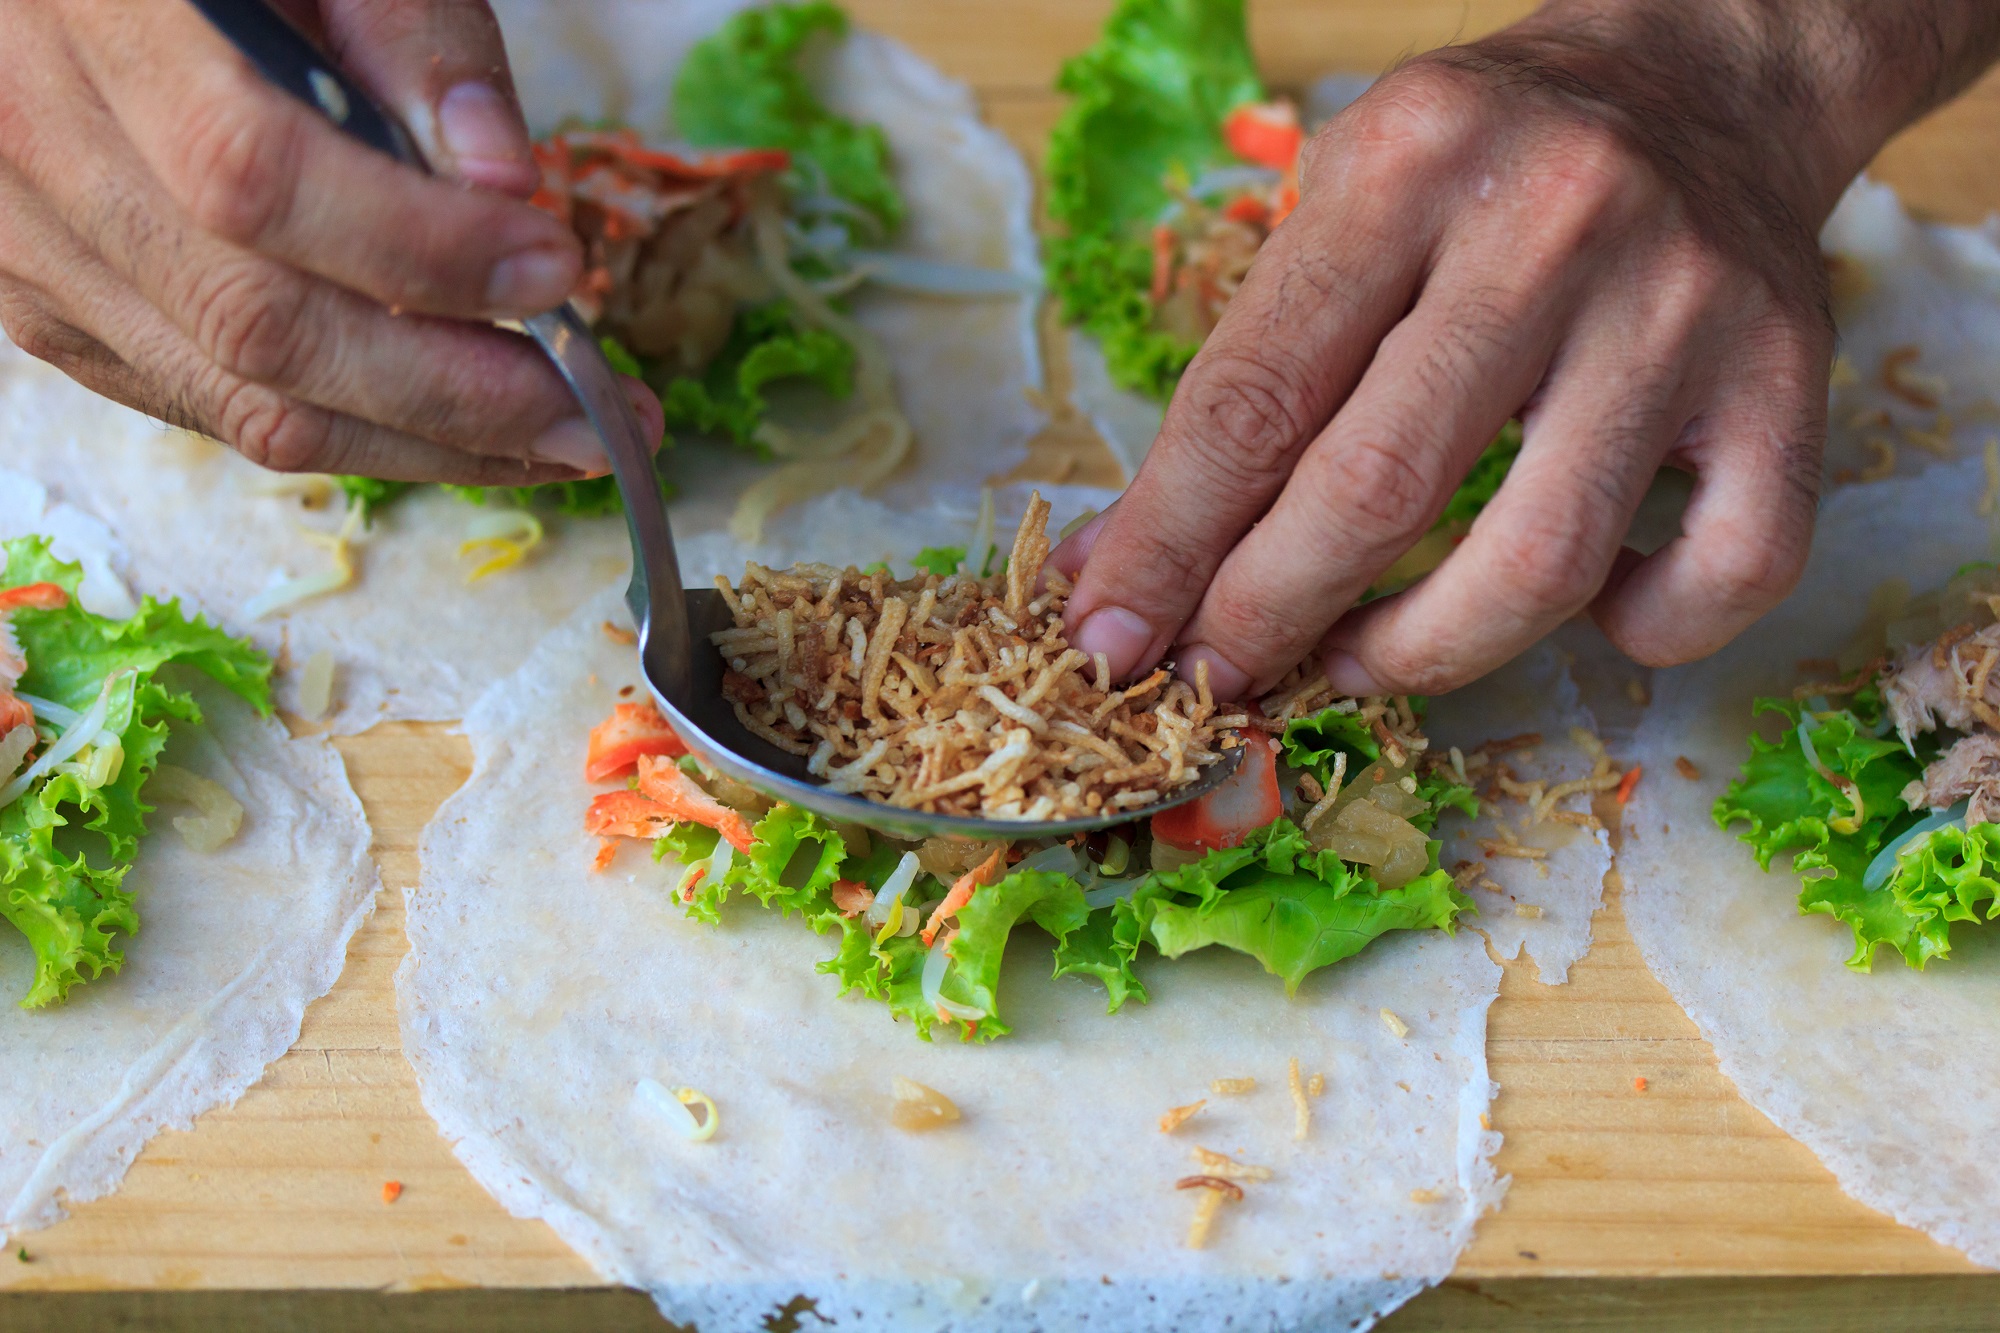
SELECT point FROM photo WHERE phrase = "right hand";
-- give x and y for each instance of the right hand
(179, 235)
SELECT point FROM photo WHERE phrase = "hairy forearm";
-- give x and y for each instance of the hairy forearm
(1797, 95)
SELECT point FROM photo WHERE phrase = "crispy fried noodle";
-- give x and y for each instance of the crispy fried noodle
(956, 694)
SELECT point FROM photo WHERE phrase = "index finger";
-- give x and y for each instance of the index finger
(255, 166)
(1328, 285)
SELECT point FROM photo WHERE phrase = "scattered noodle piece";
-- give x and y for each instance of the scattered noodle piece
(1301, 1108)
(1214, 1190)
(1636, 691)
(1228, 1168)
(1180, 1115)
(1913, 387)
(1316, 1085)
(1518, 850)
(1397, 1027)
(1232, 1087)
(917, 1109)
(1485, 1120)
(1528, 910)
(1424, 1196)
(619, 634)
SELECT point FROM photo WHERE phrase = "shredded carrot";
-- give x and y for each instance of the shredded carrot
(606, 851)
(392, 1190)
(34, 597)
(1640, 1083)
(627, 814)
(1628, 782)
(1163, 264)
(961, 893)
(1247, 208)
(662, 781)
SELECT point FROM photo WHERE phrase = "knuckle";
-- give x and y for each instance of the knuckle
(251, 319)
(37, 330)
(1246, 416)
(1380, 490)
(1551, 570)
(236, 172)
(1410, 119)
(1414, 668)
(273, 431)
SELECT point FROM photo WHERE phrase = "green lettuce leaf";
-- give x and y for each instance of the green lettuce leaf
(1941, 878)
(942, 561)
(743, 88)
(766, 345)
(1147, 102)
(1312, 744)
(1093, 950)
(1483, 482)
(63, 891)
(1293, 909)
(1787, 805)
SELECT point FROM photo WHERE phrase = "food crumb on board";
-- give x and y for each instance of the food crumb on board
(22, 1255)
(619, 634)
(1316, 1085)
(1228, 1168)
(918, 1108)
(1232, 1087)
(1397, 1027)
(1424, 1196)
(392, 1190)
(1528, 910)
(1180, 1115)
(1301, 1108)
(1636, 691)
(1640, 1083)
(1485, 1120)
(1214, 1190)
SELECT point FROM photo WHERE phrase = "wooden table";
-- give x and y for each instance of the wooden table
(1679, 1206)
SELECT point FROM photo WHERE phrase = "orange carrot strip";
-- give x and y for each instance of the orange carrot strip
(392, 1190)
(34, 597)
(1628, 782)
(961, 893)
(661, 780)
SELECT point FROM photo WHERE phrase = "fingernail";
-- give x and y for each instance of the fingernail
(486, 139)
(532, 281)
(1225, 679)
(1347, 676)
(1119, 634)
(572, 443)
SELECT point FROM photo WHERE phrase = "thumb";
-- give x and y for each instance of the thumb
(441, 65)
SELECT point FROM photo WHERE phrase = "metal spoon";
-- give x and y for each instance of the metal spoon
(682, 670)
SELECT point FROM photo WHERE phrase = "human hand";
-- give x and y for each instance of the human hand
(1602, 220)
(180, 236)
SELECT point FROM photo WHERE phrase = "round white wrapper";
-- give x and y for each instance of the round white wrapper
(1533, 693)
(232, 946)
(1890, 1076)
(410, 638)
(537, 995)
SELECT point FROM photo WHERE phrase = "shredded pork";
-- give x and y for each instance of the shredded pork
(958, 694)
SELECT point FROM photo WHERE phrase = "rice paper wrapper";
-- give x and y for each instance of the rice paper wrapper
(538, 995)
(1544, 905)
(410, 637)
(1888, 1076)
(233, 946)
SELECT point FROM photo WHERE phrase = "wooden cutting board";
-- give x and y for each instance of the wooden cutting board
(1665, 1207)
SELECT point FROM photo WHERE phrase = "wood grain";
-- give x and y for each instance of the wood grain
(1611, 1185)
